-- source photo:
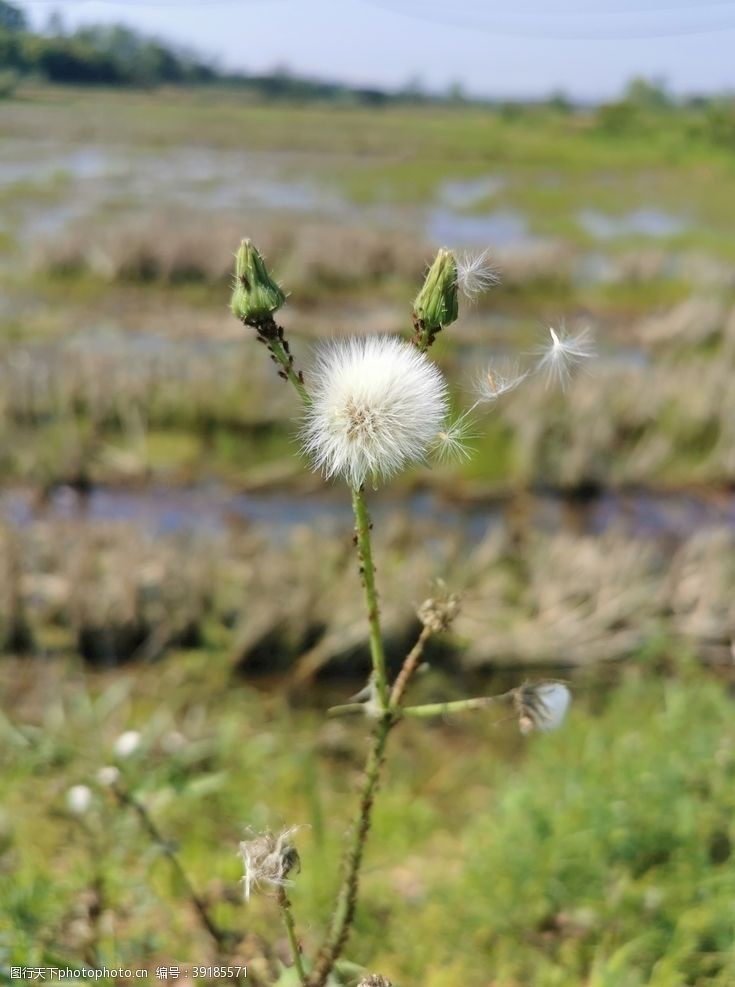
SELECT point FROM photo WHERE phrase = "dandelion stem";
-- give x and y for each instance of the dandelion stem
(409, 666)
(277, 349)
(270, 333)
(288, 921)
(344, 912)
(367, 571)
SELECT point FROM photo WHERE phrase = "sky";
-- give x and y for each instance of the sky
(503, 48)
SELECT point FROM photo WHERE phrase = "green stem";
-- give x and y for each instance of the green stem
(457, 706)
(367, 571)
(344, 911)
(288, 921)
(277, 349)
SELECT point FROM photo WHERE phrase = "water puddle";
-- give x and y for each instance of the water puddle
(463, 194)
(501, 228)
(211, 509)
(648, 222)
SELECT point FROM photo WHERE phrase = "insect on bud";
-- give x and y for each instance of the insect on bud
(255, 296)
(436, 304)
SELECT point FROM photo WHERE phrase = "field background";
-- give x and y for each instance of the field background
(169, 564)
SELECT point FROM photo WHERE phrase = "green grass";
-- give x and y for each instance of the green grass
(600, 855)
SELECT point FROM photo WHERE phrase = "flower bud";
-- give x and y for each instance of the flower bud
(436, 303)
(256, 296)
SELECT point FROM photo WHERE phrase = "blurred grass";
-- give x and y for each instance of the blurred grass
(600, 855)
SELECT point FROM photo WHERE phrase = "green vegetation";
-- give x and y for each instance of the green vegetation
(601, 856)
(597, 857)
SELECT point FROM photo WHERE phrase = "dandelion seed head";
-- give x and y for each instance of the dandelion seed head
(476, 274)
(79, 799)
(500, 378)
(127, 743)
(268, 859)
(108, 776)
(563, 353)
(542, 706)
(377, 405)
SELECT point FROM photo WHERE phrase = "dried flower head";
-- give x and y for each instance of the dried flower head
(476, 274)
(500, 378)
(268, 859)
(377, 405)
(439, 610)
(563, 353)
(541, 706)
(374, 980)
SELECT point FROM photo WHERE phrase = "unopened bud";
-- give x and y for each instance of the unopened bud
(255, 296)
(436, 304)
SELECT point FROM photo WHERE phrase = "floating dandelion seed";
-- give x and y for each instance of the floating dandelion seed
(377, 406)
(451, 443)
(499, 379)
(476, 274)
(542, 706)
(563, 353)
(268, 859)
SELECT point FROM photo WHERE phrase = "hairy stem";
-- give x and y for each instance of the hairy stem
(367, 571)
(409, 666)
(277, 348)
(288, 921)
(344, 911)
(270, 333)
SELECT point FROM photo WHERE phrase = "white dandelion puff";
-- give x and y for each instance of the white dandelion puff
(108, 775)
(562, 354)
(377, 405)
(127, 743)
(78, 799)
(451, 443)
(498, 379)
(542, 706)
(476, 274)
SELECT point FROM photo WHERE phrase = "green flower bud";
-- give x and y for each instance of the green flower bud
(436, 303)
(256, 296)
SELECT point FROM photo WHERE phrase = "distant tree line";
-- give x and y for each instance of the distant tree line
(109, 55)
(120, 56)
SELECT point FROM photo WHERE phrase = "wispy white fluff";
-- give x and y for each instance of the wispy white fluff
(499, 378)
(562, 354)
(543, 706)
(377, 405)
(451, 443)
(79, 799)
(476, 274)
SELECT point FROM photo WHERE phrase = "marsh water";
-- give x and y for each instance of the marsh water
(211, 508)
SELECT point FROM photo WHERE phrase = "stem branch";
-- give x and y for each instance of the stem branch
(409, 666)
